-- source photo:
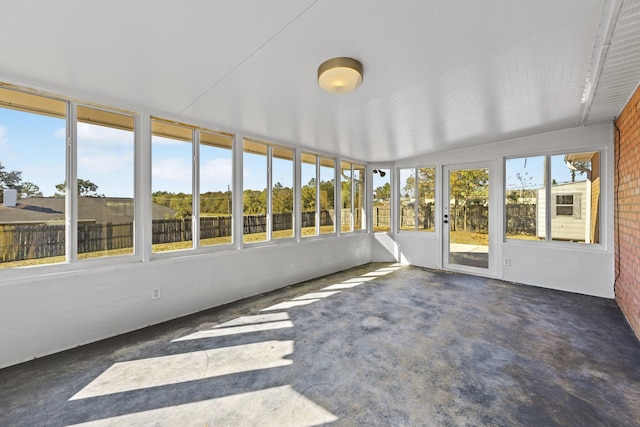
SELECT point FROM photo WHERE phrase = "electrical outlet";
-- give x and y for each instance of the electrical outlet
(155, 293)
(507, 261)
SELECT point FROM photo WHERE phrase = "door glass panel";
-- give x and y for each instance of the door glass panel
(469, 217)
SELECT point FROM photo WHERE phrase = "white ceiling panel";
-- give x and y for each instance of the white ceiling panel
(437, 75)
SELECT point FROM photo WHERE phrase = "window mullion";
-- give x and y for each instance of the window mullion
(195, 190)
(71, 185)
(269, 193)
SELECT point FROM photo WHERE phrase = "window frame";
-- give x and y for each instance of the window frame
(550, 201)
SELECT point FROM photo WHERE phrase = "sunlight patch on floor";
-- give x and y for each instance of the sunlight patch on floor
(178, 368)
(277, 406)
(232, 330)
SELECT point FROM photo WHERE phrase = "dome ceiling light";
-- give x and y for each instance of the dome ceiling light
(340, 75)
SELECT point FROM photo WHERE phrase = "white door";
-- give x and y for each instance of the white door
(468, 218)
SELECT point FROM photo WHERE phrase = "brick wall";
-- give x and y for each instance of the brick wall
(627, 217)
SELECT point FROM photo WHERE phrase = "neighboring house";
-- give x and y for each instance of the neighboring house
(101, 210)
(568, 211)
(574, 205)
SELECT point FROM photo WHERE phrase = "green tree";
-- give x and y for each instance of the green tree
(29, 189)
(383, 192)
(255, 202)
(282, 199)
(309, 196)
(86, 188)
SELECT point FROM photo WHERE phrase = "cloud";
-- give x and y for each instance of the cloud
(105, 161)
(91, 134)
(216, 172)
(173, 169)
(4, 141)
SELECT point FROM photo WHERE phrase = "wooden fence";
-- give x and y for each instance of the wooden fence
(20, 242)
(521, 218)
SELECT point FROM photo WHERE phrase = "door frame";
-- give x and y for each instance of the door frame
(494, 212)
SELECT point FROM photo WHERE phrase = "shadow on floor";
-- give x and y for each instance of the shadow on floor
(379, 344)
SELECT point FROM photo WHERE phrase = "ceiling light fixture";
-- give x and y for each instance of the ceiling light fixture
(380, 171)
(340, 75)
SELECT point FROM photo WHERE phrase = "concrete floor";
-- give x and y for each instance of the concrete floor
(374, 345)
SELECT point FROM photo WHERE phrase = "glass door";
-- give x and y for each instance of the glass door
(467, 219)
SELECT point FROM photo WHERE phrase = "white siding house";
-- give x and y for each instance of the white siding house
(570, 216)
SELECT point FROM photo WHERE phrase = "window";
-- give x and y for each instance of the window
(359, 217)
(255, 191)
(105, 183)
(308, 179)
(416, 204)
(575, 195)
(327, 195)
(171, 178)
(282, 193)
(346, 217)
(525, 195)
(573, 180)
(216, 177)
(33, 131)
(565, 205)
(381, 214)
(268, 192)
(352, 197)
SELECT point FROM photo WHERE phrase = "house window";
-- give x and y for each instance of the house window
(33, 133)
(216, 177)
(525, 195)
(381, 214)
(352, 216)
(308, 179)
(282, 160)
(416, 201)
(564, 205)
(268, 191)
(327, 194)
(105, 183)
(171, 183)
(573, 195)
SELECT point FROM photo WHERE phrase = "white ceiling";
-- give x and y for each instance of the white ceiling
(437, 75)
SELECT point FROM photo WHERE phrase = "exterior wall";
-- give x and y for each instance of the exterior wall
(594, 226)
(627, 211)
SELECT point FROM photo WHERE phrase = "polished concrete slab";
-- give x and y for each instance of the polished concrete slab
(379, 344)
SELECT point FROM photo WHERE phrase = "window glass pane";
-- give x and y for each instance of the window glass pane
(381, 214)
(308, 185)
(525, 198)
(282, 193)
(575, 197)
(105, 183)
(359, 221)
(407, 199)
(171, 171)
(426, 199)
(32, 177)
(346, 216)
(327, 196)
(216, 176)
(255, 191)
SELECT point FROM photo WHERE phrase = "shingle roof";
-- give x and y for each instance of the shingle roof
(99, 209)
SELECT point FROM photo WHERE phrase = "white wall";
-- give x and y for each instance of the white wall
(573, 267)
(49, 313)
